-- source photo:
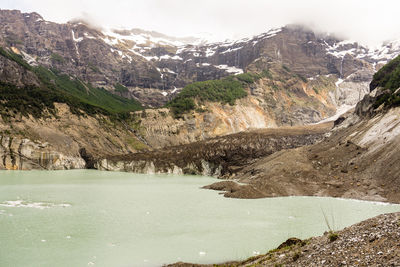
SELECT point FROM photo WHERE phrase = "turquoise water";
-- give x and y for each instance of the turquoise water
(92, 218)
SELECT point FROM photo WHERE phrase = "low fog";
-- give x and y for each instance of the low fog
(367, 21)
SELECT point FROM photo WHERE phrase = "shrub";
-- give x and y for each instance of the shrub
(120, 88)
(388, 77)
(304, 79)
(15, 57)
(333, 236)
(57, 87)
(225, 91)
(57, 58)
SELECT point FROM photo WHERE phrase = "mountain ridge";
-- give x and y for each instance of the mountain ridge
(156, 71)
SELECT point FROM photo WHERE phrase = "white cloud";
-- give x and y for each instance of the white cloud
(368, 21)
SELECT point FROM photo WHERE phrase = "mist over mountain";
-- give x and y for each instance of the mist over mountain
(366, 22)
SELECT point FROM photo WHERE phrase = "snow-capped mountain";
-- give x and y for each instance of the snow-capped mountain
(153, 65)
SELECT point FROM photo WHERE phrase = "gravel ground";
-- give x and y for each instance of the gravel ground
(374, 242)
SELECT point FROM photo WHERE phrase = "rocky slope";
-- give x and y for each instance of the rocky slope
(280, 98)
(373, 242)
(356, 160)
(222, 156)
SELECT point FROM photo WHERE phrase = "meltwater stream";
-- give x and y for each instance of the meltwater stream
(92, 218)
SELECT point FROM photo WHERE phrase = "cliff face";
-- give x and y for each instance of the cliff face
(221, 156)
(17, 154)
(64, 141)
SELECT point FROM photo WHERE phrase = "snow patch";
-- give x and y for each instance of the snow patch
(176, 57)
(89, 36)
(338, 82)
(161, 74)
(141, 38)
(77, 40)
(169, 71)
(230, 69)
(28, 58)
(209, 52)
(231, 50)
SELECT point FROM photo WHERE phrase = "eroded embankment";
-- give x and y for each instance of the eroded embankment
(222, 156)
(359, 160)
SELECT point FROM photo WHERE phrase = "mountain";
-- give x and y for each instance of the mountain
(286, 76)
(151, 65)
(354, 157)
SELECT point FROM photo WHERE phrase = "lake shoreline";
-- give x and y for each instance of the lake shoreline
(373, 242)
(234, 188)
(95, 210)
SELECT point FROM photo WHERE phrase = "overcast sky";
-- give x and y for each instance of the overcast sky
(367, 21)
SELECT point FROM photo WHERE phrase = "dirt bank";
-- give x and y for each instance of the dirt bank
(222, 156)
(359, 161)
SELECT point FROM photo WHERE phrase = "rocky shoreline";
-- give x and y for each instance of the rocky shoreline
(373, 242)
(221, 157)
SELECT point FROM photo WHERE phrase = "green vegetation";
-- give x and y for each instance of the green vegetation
(267, 73)
(85, 93)
(120, 88)
(249, 77)
(29, 100)
(333, 236)
(57, 87)
(388, 77)
(57, 58)
(136, 144)
(304, 79)
(225, 91)
(15, 57)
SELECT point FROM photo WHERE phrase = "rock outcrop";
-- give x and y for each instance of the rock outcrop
(17, 154)
(64, 141)
(221, 156)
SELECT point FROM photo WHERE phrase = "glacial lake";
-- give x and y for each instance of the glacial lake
(93, 218)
